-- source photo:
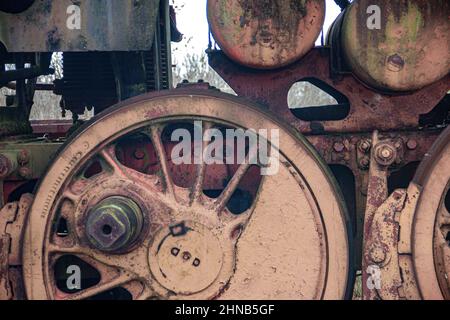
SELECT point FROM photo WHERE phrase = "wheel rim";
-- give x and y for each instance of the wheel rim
(304, 251)
(431, 254)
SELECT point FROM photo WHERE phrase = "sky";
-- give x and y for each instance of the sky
(192, 22)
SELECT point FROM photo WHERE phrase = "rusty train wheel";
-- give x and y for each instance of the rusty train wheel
(157, 233)
(431, 228)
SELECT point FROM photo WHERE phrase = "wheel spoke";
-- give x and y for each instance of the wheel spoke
(444, 216)
(70, 195)
(102, 287)
(232, 185)
(201, 169)
(108, 155)
(155, 135)
(116, 261)
(147, 294)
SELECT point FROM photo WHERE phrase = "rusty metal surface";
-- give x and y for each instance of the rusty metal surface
(352, 150)
(251, 255)
(105, 26)
(410, 50)
(265, 34)
(28, 157)
(368, 108)
(406, 235)
(380, 248)
(51, 127)
(377, 193)
(441, 243)
(12, 219)
(387, 222)
(387, 247)
(6, 214)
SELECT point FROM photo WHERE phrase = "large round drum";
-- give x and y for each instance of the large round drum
(397, 45)
(266, 34)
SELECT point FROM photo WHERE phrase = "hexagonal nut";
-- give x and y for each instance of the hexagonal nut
(377, 254)
(23, 157)
(364, 146)
(106, 229)
(385, 154)
(25, 172)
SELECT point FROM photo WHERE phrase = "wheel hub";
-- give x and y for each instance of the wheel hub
(114, 223)
(186, 262)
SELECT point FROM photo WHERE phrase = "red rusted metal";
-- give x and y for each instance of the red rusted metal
(369, 110)
(52, 127)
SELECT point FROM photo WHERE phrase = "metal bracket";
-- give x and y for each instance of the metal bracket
(12, 220)
(387, 230)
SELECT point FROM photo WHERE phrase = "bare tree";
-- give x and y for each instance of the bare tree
(304, 94)
(195, 67)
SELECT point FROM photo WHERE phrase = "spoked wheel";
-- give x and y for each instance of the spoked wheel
(116, 207)
(431, 227)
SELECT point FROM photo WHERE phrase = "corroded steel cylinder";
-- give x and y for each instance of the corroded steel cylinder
(397, 45)
(265, 34)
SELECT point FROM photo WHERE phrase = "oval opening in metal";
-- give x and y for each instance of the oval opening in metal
(311, 99)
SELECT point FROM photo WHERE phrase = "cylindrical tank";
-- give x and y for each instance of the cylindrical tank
(397, 45)
(265, 34)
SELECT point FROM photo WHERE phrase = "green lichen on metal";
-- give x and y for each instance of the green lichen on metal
(40, 153)
(12, 122)
(411, 22)
(396, 54)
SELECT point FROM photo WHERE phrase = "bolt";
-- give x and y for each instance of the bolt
(385, 154)
(395, 63)
(196, 262)
(25, 172)
(411, 144)
(23, 157)
(175, 251)
(364, 146)
(338, 147)
(364, 162)
(377, 255)
(5, 166)
(139, 154)
(114, 224)
(186, 256)
(106, 229)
